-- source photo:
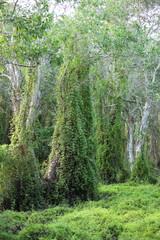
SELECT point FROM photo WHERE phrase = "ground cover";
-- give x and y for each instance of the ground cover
(123, 212)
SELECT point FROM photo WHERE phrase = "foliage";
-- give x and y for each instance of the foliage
(71, 141)
(5, 110)
(21, 187)
(25, 31)
(42, 137)
(109, 125)
(110, 145)
(122, 212)
(3, 153)
(106, 55)
(143, 170)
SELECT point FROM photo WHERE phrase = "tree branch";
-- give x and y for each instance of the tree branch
(155, 71)
(23, 65)
(15, 6)
(5, 75)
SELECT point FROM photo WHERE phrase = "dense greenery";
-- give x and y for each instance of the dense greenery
(79, 106)
(20, 171)
(124, 212)
(71, 160)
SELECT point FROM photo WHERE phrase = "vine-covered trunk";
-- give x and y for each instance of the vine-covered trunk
(22, 176)
(110, 143)
(71, 162)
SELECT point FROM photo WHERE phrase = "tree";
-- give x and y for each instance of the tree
(21, 171)
(128, 43)
(70, 163)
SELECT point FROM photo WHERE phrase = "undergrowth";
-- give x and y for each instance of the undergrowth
(123, 212)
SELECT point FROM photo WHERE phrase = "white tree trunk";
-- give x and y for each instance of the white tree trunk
(34, 99)
(145, 114)
(130, 144)
(16, 80)
(143, 128)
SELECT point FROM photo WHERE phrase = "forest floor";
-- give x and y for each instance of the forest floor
(124, 212)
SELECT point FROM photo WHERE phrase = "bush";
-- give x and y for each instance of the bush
(10, 224)
(143, 171)
(124, 212)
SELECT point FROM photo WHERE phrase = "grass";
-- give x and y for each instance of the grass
(123, 212)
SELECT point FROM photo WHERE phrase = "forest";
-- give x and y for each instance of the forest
(79, 119)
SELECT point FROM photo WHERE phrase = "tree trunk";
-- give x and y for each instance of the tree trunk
(130, 144)
(22, 173)
(143, 129)
(16, 80)
(70, 164)
(34, 99)
(146, 113)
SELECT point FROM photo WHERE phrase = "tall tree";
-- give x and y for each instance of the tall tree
(71, 163)
(22, 64)
(21, 170)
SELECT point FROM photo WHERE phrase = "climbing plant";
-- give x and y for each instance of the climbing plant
(70, 162)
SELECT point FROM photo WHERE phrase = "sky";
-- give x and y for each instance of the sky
(58, 9)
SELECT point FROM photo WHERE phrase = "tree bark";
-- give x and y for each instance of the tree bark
(143, 129)
(34, 99)
(130, 144)
(145, 114)
(16, 80)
